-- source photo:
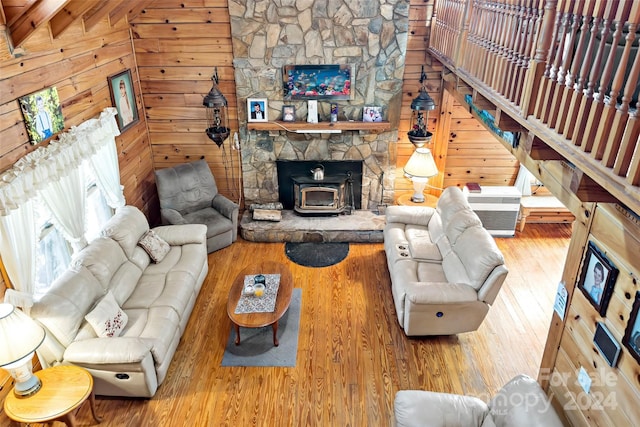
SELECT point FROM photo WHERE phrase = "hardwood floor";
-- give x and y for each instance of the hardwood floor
(352, 354)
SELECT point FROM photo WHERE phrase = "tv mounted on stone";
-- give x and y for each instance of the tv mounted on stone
(328, 82)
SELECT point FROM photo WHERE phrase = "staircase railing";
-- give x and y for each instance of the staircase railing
(571, 66)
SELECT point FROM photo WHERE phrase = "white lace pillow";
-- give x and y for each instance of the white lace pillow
(107, 318)
(154, 245)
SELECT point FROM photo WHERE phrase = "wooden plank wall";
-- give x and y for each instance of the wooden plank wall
(463, 149)
(178, 45)
(615, 392)
(77, 63)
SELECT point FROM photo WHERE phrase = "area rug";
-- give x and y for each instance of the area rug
(256, 344)
(309, 254)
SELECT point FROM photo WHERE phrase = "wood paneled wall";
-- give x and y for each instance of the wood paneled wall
(178, 45)
(463, 149)
(615, 392)
(77, 63)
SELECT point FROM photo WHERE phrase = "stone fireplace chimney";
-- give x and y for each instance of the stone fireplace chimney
(369, 35)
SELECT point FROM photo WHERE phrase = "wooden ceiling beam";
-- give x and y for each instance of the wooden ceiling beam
(138, 8)
(69, 14)
(97, 13)
(3, 18)
(33, 18)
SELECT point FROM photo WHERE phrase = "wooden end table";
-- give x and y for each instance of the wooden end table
(64, 389)
(258, 320)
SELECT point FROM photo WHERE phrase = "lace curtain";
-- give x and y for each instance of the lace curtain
(55, 173)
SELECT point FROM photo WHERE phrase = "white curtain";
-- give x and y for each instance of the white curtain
(107, 172)
(55, 173)
(523, 181)
(18, 249)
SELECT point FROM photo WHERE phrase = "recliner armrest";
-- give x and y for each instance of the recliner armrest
(171, 216)
(420, 215)
(439, 293)
(182, 234)
(107, 351)
(415, 408)
(225, 206)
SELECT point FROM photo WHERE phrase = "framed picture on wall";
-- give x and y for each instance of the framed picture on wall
(631, 338)
(288, 113)
(597, 278)
(257, 109)
(42, 114)
(124, 99)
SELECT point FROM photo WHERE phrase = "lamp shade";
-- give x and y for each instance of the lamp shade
(19, 335)
(421, 164)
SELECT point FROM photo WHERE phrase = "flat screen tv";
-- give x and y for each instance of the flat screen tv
(317, 81)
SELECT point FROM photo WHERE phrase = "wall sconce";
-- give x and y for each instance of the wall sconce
(217, 113)
(420, 107)
(419, 169)
(20, 336)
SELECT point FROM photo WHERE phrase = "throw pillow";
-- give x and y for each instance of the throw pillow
(154, 245)
(107, 318)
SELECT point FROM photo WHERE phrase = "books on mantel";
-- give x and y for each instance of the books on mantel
(473, 187)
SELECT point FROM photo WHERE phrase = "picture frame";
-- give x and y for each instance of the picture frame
(42, 114)
(372, 114)
(259, 115)
(631, 339)
(123, 98)
(597, 278)
(288, 113)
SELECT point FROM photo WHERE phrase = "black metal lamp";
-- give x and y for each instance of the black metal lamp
(217, 113)
(420, 107)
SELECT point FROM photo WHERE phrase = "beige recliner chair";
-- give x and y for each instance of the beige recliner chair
(521, 402)
(189, 195)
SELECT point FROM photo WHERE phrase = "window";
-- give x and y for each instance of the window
(54, 252)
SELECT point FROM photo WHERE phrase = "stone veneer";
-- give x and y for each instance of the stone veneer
(370, 35)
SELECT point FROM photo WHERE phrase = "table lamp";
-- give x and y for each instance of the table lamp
(20, 336)
(419, 169)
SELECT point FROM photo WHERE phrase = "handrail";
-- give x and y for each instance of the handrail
(570, 66)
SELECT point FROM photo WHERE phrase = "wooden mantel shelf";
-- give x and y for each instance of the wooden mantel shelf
(304, 127)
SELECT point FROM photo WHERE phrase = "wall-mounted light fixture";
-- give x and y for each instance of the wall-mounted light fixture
(217, 113)
(420, 107)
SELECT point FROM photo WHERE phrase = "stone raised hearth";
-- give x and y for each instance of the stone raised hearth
(362, 226)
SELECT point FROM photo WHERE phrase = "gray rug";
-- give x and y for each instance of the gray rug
(256, 344)
(311, 254)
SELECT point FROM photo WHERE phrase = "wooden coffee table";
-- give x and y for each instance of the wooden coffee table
(259, 320)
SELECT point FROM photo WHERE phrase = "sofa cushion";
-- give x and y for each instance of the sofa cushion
(126, 227)
(479, 254)
(451, 201)
(107, 262)
(521, 402)
(459, 222)
(107, 318)
(415, 408)
(154, 245)
(424, 250)
(62, 309)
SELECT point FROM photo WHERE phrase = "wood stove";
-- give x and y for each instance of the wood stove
(319, 197)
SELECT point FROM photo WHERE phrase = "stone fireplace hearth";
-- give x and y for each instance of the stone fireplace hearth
(370, 35)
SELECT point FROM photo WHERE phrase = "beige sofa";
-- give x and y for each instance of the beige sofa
(445, 268)
(156, 298)
(519, 403)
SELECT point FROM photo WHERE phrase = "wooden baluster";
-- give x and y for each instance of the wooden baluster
(447, 21)
(508, 52)
(478, 61)
(595, 115)
(470, 45)
(564, 73)
(485, 41)
(580, 67)
(551, 47)
(619, 120)
(496, 44)
(631, 141)
(498, 53)
(536, 10)
(521, 18)
(534, 77)
(555, 68)
(586, 100)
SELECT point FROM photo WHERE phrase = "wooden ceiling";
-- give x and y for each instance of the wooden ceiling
(21, 18)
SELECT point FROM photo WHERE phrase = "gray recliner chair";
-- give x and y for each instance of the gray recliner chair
(189, 195)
